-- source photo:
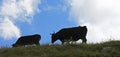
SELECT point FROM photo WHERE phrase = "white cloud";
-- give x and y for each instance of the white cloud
(8, 29)
(102, 18)
(16, 10)
(19, 9)
(61, 6)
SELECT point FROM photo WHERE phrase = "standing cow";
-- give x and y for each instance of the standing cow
(28, 40)
(73, 34)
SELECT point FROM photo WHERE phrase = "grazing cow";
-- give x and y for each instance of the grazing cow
(28, 40)
(73, 34)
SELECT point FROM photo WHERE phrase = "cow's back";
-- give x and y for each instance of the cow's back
(75, 33)
(27, 40)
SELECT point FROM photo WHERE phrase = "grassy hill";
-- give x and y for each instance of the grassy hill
(106, 49)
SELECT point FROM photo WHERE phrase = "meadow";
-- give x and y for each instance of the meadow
(104, 49)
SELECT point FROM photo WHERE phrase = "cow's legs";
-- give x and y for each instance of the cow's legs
(37, 44)
(84, 40)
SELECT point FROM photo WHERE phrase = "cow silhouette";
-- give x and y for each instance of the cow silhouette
(73, 34)
(28, 40)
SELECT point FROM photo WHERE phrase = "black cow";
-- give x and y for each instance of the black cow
(28, 40)
(73, 34)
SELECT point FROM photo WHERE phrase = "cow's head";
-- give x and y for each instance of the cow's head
(54, 37)
(14, 45)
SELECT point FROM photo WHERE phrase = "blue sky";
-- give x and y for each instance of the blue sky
(51, 18)
(49, 21)
(27, 17)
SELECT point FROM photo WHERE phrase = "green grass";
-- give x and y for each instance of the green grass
(106, 49)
